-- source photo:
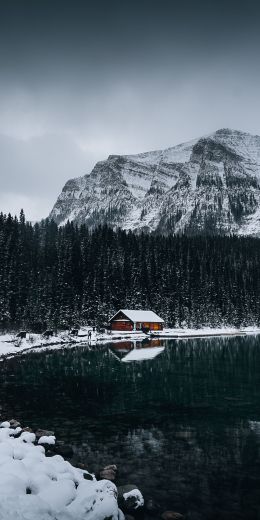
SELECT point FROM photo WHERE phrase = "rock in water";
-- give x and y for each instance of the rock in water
(65, 450)
(172, 515)
(14, 423)
(209, 184)
(130, 498)
(108, 472)
(43, 433)
(152, 507)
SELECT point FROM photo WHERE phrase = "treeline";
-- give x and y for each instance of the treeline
(62, 277)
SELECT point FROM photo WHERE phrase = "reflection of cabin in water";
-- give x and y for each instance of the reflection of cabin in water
(122, 349)
(137, 350)
(131, 320)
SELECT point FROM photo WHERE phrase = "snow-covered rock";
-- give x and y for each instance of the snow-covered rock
(27, 437)
(5, 424)
(36, 487)
(136, 496)
(211, 183)
(47, 439)
(130, 497)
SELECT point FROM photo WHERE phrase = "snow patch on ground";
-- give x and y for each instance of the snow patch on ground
(36, 487)
(50, 439)
(10, 346)
(5, 424)
(208, 331)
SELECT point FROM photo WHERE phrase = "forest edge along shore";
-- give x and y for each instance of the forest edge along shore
(131, 324)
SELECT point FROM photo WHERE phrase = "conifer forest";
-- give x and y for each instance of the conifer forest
(64, 276)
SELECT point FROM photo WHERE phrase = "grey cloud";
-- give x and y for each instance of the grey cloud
(81, 80)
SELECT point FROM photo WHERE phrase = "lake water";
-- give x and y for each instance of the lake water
(183, 426)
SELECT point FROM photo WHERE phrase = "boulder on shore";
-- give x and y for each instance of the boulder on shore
(14, 423)
(130, 498)
(43, 433)
(108, 472)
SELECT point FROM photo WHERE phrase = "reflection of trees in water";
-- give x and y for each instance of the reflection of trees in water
(177, 426)
(190, 466)
(199, 374)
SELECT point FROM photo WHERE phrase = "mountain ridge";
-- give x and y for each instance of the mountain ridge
(210, 184)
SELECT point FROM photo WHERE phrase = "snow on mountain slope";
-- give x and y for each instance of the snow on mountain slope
(210, 184)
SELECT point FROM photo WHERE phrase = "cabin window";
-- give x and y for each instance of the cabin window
(156, 326)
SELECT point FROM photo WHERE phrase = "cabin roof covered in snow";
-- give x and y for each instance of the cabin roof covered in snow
(141, 316)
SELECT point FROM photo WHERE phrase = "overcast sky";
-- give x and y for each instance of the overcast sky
(80, 80)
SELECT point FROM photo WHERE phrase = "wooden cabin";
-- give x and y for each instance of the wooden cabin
(134, 321)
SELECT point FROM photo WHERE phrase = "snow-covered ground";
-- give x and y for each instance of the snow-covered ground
(207, 331)
(10, 345)
(36, 487)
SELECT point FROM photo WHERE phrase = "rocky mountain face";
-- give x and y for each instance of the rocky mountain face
(211, 184)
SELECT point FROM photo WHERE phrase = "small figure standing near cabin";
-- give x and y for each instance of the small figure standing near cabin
(89, 335)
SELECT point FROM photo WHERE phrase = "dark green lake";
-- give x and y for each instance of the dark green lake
(184, 426)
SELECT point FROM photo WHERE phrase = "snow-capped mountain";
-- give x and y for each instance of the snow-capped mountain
(209, 184)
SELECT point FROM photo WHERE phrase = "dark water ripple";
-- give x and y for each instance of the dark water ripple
(184, 426)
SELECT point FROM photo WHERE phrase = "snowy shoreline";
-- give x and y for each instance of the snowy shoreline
(40, 484)
(11, 346)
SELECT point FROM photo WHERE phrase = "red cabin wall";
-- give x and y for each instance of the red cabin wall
(121, 325)
(128, 325)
